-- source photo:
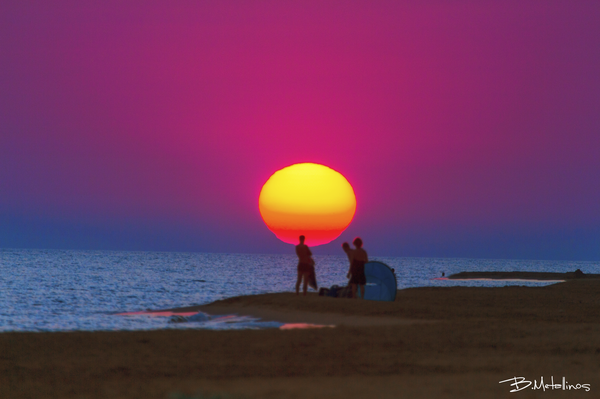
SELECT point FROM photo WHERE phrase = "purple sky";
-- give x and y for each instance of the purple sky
(467, 128)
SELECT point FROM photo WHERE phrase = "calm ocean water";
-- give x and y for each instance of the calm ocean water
(54, 290)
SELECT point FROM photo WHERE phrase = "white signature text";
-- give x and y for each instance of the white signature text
(520, 383)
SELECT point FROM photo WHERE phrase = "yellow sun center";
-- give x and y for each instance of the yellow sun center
(307, 199)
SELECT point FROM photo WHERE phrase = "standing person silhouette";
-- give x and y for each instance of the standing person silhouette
(305, 264)
(357, 268)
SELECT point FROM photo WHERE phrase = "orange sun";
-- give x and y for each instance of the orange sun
(308, 199)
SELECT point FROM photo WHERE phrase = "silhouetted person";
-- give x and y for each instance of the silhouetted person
(357, 268)
(305, 264)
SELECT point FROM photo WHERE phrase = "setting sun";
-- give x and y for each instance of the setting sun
(308, 199)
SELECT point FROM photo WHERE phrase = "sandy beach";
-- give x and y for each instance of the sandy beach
(456, 342)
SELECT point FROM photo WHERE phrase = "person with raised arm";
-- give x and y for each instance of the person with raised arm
(357, 268)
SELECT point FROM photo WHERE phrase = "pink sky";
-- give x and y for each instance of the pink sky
(467, 128)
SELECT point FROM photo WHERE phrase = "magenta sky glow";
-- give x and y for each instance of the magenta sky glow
(468, 128)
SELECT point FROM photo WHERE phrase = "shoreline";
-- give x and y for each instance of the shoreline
(523, 276)
(328, 319)
(443, 342)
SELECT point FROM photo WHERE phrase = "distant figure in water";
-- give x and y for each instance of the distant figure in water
(305, 264)
(357, 268)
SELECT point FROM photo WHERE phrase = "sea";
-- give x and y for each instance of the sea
(69, 290)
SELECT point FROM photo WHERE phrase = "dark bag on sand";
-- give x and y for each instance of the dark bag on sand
(333, 291)
(339, 292)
